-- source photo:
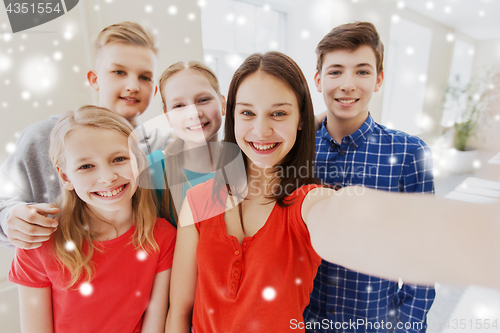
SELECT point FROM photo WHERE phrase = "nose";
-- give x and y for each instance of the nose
(107, 175)
(262, 127)
(132, 84)
(348, 84)
(193, 112)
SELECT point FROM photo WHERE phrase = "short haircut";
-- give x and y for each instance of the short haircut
(350, 37)
(128, 33)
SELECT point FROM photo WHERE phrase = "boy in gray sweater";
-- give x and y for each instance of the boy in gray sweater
(123, 77)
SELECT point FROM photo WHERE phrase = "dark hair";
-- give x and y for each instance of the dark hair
(301, 155)
(351, 36)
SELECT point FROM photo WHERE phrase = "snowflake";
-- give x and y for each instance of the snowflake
(269, 293)
(70, 246)
(86, 289)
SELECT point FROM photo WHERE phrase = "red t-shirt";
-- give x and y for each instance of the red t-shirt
(119, 291)
(259, 285)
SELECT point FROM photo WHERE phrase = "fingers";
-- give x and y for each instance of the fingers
(36, 214)
(28, 227)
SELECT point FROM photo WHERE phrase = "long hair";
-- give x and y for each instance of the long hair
(174, 172)
(301, 156)
(76, 217)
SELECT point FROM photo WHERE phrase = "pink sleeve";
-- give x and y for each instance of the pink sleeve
(28, 268)
(165, 235)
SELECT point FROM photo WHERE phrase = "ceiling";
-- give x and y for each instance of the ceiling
(478, 19)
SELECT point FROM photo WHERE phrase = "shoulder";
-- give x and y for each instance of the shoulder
(36, 134)
(164, 230)
(401, 140)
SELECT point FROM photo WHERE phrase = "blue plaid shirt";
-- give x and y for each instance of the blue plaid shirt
(380, 158)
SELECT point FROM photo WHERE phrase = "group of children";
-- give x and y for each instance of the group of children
(101, 260)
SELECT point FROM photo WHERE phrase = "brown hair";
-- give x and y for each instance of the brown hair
(75, 217)
(351, 36)
(301, 156)
(129, 33)
(173, 152)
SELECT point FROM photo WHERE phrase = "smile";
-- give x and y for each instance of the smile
(129, 99)
(112, 193)
(264, 147)
(194, 128)
(347, 101)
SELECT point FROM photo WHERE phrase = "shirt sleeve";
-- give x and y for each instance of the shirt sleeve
(27, 176)
(418, 174)
(27, 268)
(165, 235)
(414, 304)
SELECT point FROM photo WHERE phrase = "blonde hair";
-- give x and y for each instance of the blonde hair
(173, 151)
(128, 33)
(75, 216)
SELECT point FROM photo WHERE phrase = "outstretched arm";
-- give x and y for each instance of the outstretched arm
(184, 274)
(36, 309)
(429, 239)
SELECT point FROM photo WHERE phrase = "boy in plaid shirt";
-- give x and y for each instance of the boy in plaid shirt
(352, 149)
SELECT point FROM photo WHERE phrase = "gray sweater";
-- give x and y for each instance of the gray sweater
(28, 177)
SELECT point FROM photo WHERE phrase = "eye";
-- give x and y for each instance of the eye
(334, 73)
(145, 78)
(119, 72)
(363, 72)
(85, 167)
(178, 106)
(120, 159)
(204, 100)
(278, 114)
(246, 113)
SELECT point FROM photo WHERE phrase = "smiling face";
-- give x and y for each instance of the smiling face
(347, 82)
(266, 119)
(193, 108)
(98, 167)
(124, 79)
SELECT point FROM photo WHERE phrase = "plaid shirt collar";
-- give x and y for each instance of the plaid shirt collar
(360, 136)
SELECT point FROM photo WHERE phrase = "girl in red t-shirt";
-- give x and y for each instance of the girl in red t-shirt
(107, 266)
(250, 267)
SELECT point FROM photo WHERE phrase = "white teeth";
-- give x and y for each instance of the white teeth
(197, 127)
(264, 147)
(110, 193)
(347, 101)
(129, 99)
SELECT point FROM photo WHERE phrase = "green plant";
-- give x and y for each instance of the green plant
(468, 102)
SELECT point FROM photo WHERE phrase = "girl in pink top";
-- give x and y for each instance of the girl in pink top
(233, 266)
(107, 267)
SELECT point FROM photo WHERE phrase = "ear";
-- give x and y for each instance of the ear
(92, 78)
(66, 182)
(299, 128)
(156, 90)
(380, 79)
(223, 105)
(317, 81)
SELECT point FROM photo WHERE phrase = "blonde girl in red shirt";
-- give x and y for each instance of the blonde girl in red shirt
(250, 267)
(107, 266)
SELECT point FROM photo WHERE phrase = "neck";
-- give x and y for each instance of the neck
(198, 157)
(111, 224)
(339, 128)
(260, 180)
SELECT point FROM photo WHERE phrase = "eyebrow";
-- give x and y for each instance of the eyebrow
(121, 66)
(118, 152)
(341, 66)
(274, 105)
